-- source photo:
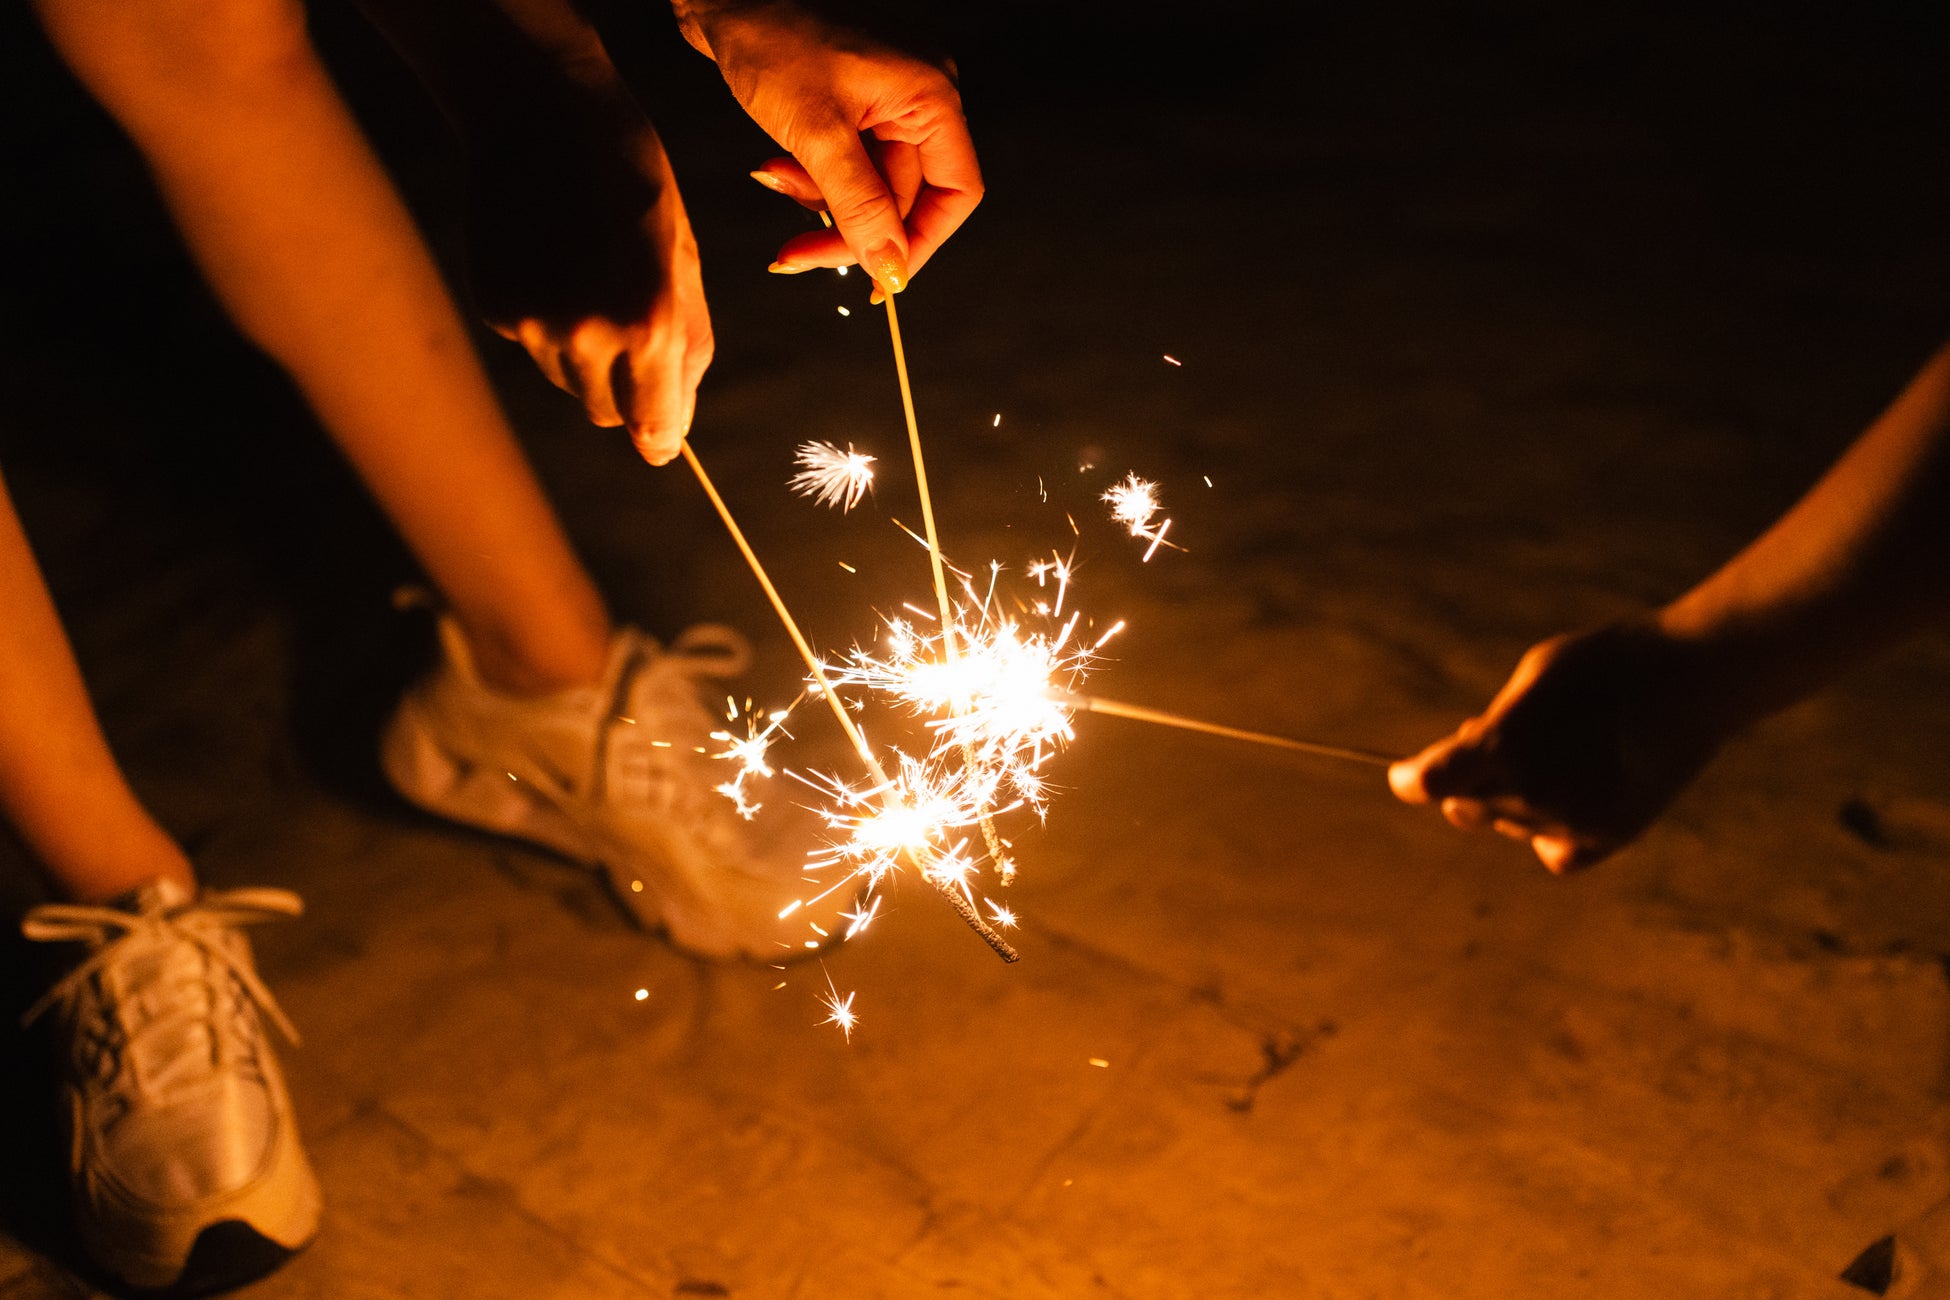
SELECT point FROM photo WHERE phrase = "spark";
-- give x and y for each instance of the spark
(1100, 1062)
(751, 753)
(833, 477)
(1133, 502)
(1157, 539)
(839, 1010)
(841, 269)
(1001, 915)
(844, 565)
(998, 421)
(642, 995)
(845, 312)
(860, 918)
(1173, 360)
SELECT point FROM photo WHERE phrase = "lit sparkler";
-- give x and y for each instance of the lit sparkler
(833, 477)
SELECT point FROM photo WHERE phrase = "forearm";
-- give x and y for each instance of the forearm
(1860, 561)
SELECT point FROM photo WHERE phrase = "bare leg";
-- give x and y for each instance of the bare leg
(302, 236)
(59, 785)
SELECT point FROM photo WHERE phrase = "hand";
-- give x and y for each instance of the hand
(1582, 749)
(895, 196)
(582, 253)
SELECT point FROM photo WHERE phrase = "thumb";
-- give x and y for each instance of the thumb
(1456, 767)
(863, 208)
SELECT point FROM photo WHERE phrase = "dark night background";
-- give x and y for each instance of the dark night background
(1496, 320)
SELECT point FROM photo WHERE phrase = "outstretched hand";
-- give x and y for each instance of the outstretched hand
(582, 252)
(1582, 749)
(876, 136)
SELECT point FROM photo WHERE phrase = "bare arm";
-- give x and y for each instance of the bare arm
(1860, 561)
(1594, 734)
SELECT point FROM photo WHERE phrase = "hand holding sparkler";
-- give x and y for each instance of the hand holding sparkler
(580, 249)
(817, 88)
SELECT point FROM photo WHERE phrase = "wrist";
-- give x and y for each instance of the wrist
(1727, 668)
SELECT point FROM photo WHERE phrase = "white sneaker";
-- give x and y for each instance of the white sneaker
(184, 1156)
(618, 777)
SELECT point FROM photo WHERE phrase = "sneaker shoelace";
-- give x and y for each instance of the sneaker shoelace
(219, 994)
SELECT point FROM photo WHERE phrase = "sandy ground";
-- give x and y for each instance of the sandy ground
(1489, 328)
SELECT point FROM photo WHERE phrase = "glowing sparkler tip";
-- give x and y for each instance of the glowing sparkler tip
(833, 477)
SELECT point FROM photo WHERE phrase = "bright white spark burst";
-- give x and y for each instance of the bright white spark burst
(994, 698)
(1133, 503)
(839, 1010)
(833, 477)
(750, 753)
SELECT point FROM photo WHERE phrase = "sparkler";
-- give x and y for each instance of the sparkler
(1159, 717)
(1003, 864)
(956, 900)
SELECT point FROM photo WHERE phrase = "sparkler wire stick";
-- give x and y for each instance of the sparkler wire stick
(962, 906)
(921, 480)
(1139, 713)
(1004, 867)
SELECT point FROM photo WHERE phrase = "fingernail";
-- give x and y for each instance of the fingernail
(878, 296)
(788, 268)
(888, 267)
(769, 181)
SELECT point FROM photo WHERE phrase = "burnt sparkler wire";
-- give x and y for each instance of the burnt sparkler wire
(962, 906)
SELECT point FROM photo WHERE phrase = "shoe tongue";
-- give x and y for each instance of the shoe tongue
(162, 976)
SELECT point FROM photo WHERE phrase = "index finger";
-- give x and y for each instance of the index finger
(951, 186)
(862, 207)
